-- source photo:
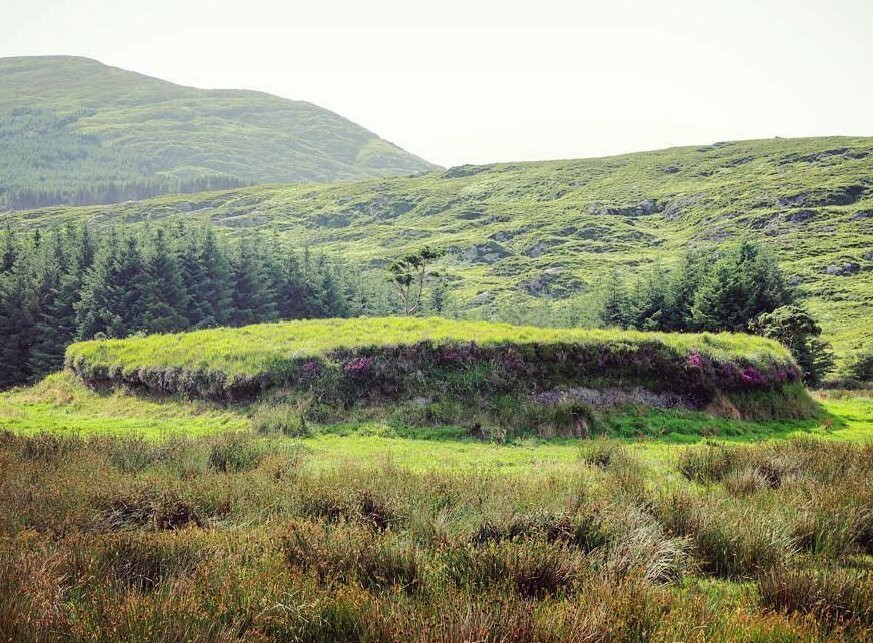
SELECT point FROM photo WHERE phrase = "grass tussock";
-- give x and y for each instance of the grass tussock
(837, 597)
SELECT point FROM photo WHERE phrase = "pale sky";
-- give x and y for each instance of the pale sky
(479, 81)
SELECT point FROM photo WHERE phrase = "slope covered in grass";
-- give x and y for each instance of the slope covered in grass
(62, 404)
(517, 235)
(373, 360)
(75, 131)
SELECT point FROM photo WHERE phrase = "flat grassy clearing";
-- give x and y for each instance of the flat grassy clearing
(61, 403)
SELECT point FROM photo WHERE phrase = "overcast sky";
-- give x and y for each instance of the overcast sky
(477, 81)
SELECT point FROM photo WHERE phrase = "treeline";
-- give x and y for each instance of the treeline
(33, 141)
(77, 283)
(735, 287)
(102, 191)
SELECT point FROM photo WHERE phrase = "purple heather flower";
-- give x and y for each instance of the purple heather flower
(312, 367)
(452, 356)
(695, 360)
(751, 375)
(359, 365)
(511, 362)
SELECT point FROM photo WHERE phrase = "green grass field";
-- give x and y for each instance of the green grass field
(62, 404)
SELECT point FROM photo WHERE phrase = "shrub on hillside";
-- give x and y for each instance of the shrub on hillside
(861, 367)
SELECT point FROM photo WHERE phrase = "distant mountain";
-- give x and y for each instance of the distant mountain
(74, 131)
(522, 235)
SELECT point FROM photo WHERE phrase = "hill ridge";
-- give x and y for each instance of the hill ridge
(75, 131)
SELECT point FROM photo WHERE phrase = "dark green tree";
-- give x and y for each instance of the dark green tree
(102, 302)
(744, 282)
(252, 299)
(16, 325)
(798, 331)
(55, 295)
(613, 309)
(647, 304)
(861, 366)
(682, 285)
(163, 300)
(209, 285)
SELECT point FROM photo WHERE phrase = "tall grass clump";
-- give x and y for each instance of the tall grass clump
(532, 568)
(837, 597)
(729, 539)
(347, 553)
(281, 419)
(234, 452)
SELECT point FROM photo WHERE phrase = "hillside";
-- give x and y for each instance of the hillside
(526, 234)
(75, 131)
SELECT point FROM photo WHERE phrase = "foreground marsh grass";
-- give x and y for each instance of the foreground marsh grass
(128, 517)
(237, 537)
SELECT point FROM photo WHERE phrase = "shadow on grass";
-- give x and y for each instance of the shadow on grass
(632, 424)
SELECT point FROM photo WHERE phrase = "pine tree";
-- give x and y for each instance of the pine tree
(292, 293)
(196, 282)
(213, 294)
(16, 324)
(682, 286)
(55, 295)
(162, 296)
(330, 302)
(614, 305)
(743, 283)
(647, 304)
(252, 299)
(97, 310)
(10, 252)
